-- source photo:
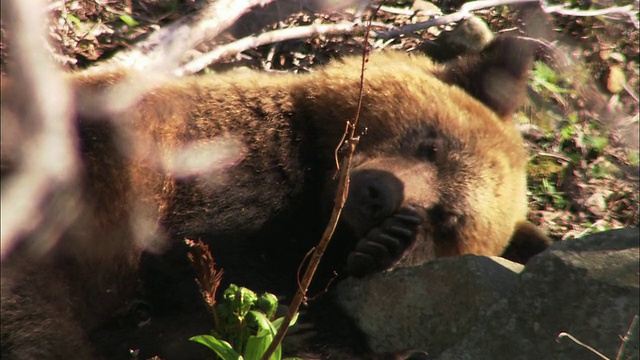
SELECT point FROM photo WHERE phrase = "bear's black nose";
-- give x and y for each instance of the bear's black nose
(373, 196)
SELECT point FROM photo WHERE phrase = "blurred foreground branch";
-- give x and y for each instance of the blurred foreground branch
(162, 51)
(47, 164)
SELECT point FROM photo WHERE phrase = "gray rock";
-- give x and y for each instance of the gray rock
(586, 287)
(430, 306)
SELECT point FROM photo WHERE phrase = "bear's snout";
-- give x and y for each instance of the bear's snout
(373, 196)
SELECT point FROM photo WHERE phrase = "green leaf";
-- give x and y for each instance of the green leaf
(278, 322)
(266, 332)
(222, 348)
(257, 345)
(598, 143)
(567, 132)
(268, 304)
(545, 73)
(239, 299)
(74, 19)
(130, 21)
(573, 118)
(633, 157)
(553, 87)
(545, 77)
(264, 325)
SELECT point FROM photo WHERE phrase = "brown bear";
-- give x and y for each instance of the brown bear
(439, 171)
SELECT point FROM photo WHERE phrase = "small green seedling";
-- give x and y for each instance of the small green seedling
(245, 325)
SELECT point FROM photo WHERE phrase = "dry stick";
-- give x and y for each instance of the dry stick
(467, 8)
(270, 37)
(596, 352)
(464, 12)
(408, 12)
(341, 198)
(620, 10)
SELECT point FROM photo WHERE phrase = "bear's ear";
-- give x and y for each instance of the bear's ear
(497, 76)
(526, 242)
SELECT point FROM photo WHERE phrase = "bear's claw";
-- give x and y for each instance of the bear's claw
(385, 244)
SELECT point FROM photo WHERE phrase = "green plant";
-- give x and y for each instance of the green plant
(129, 20)
(244, 324)
(244, 327)
(596, 143)
(547, 192)
(633, 157)
(545, 79)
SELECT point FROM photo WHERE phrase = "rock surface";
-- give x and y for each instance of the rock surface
(586, 287)
(474, 307)
(430, 306)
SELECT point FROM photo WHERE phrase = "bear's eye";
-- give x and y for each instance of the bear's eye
(427, 151)
(432, 150)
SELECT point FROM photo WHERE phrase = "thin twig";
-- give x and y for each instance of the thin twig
(627, 337)
(336, 151)
(630, 91)
(554, 156)
(564, 334)
(341, 198)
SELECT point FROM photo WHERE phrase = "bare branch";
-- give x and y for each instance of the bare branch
(466, 10)
(162, 51)
(408, 12)
(626, 11)
(263, 39)
(463, 13)
(339, 201)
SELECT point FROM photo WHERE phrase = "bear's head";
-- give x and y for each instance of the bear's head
(445, 173)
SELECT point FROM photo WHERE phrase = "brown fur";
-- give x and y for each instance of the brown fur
(470, 192)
